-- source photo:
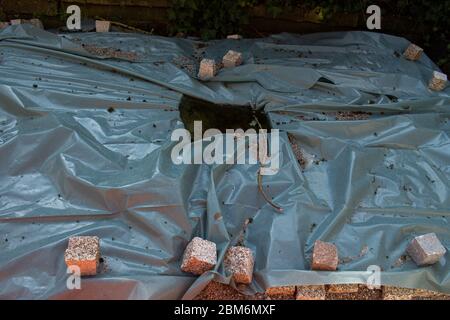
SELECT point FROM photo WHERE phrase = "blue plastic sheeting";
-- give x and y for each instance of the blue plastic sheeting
(85, 150)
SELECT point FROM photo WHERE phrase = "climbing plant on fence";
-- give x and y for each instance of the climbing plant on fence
(209, 18)
(217, 18)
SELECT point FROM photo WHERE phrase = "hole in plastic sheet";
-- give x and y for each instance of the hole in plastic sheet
(325, 80)
(220, 116)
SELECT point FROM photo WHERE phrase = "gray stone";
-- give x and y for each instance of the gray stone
(16, 21)
(325, 256)
(232, 59)
(426, 249)
(102, 26)
(37, 23)
(413, 52)
(200, 256)
(3, 25)
(208, 69)
(239, 263)
(438, 81)
(311, 292)
(234, 37)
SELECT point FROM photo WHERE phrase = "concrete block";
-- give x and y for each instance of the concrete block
(311, 292)
(37, 23)
(343, 288)
(14, 22)
(438, 81)
(234, 37)
(396, 293)
(413, 52)
(84, 252)
(426, 249)
(102, 26)
(239, 263)
(208, 69)
(284, 291)
(325, 256)
(232, 59)
(3, 25)
(200, 256)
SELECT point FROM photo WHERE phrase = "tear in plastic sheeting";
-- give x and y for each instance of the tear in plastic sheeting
(85, 150)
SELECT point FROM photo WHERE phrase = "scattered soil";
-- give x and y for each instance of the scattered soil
(279, 297)
(200, 49)
(401, 261)
(352, 115)
(241, 241)
(107, 52)
(190, 64)
(362, 253)
(186, 64)
(110, 52)
(339, 116)
(299, 154)
(218, 291)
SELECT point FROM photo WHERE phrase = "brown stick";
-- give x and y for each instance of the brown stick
(269, 201)
(260, 187)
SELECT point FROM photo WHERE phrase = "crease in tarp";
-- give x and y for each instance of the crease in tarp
(83, 136)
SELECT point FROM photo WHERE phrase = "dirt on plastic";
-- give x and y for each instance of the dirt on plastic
(219, 291)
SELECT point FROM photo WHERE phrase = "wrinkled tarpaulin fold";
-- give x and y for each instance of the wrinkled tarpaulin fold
(376, 182)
